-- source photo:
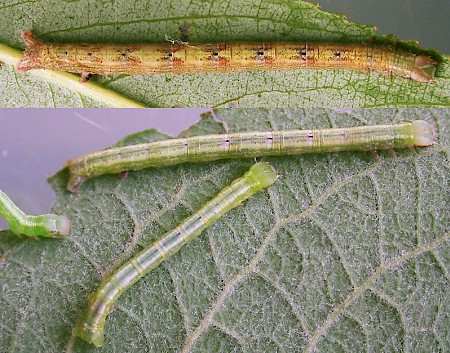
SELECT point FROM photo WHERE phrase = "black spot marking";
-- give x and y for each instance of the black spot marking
(303, 53)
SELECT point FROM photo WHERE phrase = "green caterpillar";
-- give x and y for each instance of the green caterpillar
(46, 225)
(247, 144)
(90, 327)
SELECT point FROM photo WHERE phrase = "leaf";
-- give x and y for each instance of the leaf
(345, 252)
(206, 21)
(90, 90)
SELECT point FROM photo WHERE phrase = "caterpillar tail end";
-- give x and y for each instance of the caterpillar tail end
(89, 334)
(29, 61)
(75, 181)
(424, 134)
(424, 69)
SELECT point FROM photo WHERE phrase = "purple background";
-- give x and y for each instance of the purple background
(35, 143)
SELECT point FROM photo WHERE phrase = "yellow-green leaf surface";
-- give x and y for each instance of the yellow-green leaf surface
(345, 252)
(203, 21)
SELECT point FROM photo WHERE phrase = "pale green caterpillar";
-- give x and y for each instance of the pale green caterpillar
(247, 144)
(90, 328)
(46, 225)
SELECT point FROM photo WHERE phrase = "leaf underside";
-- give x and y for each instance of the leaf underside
(207, 22)
(345, 252)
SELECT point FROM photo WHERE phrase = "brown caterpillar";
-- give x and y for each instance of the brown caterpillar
(185, 58)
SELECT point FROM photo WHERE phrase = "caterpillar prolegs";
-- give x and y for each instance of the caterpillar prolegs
(184, 58)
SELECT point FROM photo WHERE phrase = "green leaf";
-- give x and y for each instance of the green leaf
(345, 252)
(206, 21)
